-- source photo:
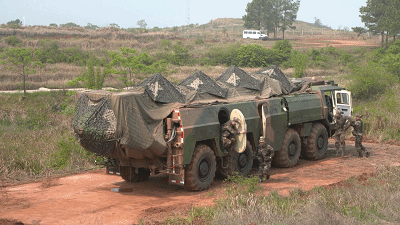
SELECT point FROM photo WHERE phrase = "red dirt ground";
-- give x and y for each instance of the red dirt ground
(87, 198)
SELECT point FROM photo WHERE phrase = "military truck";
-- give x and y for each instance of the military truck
(158, 127)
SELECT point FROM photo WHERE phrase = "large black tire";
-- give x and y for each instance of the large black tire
(128, 173)
(144, 174)
(200, 173)
(289, 154)
(239, 163)
(317, 144)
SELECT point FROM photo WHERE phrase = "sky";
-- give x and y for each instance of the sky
(165, 13)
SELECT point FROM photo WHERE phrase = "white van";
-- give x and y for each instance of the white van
(254, 34)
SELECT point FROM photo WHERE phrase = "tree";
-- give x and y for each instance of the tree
(53, 25)
(142, 24)
(381, 16)
(91, 26)
(271, 15)
(128, 62)
(93, 75)
(14, 23)
(288, 15)
(359, 30)
(22, 59)
(70, 24)
(318, 22)
(114, 25)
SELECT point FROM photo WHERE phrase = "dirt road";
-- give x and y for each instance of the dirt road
(87, 198)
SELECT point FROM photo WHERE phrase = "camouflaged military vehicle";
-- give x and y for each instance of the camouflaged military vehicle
(159, 127)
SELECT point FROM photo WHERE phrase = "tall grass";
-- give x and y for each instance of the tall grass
(362, 200)
(36, 138)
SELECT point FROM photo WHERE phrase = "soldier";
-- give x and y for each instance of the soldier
(342, 124)
(264, 156)
(228, 132)
(358, 134)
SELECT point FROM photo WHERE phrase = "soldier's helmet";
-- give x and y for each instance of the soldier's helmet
(235, 119)
(262, 139)
(359, 116)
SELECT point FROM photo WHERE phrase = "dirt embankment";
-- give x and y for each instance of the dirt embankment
(87, 198)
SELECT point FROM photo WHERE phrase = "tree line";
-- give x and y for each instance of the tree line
(271, 15)
(381, 17)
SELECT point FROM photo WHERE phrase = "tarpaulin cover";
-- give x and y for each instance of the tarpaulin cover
(202, 83)
(161, 90)
(277, 74)
(132, 121)
(236, 77)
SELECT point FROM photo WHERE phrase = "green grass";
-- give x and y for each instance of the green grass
(36, 137)
(374, 200)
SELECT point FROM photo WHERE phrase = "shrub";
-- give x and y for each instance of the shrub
(181, 54)
(299, 61)
(13, 41)
(370, 81)
(283, 50)
(199, 41)
(254, 56)
(222, 55)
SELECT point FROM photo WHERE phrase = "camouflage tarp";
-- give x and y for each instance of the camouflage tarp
(132, 121)
(236, 77)
(275, 73)
(202, 83)
(161, 90)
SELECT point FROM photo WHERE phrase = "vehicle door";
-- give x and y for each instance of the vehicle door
(342, 101)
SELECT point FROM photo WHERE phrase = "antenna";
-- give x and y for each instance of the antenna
(188, 14)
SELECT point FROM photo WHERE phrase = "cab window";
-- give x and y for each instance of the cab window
(342, 98)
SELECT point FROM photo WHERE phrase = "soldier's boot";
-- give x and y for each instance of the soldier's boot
(360, 154)
(367, 154)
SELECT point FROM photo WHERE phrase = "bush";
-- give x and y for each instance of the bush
(13, 41)
(370, 81)
(199, 41)
(255, 56)
(299, 61)
(50, 52)
(222, 55)
(283, 50)
(181, 55)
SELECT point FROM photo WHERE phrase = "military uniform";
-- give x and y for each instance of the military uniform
(358, 134)
(342, 124)
(264, 156)
(228, 132)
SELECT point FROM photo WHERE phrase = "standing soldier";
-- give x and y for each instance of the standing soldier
(228, 132)
(342, 124)
(358, 134)
(264, 156)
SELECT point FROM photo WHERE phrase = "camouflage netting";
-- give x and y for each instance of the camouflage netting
(161, 90)
(129, 124)
(236, 77)
(200, 82)
(275, 73)
(95, 124)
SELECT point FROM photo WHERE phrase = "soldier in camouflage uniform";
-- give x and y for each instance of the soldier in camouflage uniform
(358, 134)
(264, 156)
(342, 124)
(228, 132)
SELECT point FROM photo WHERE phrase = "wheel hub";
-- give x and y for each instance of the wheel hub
(242, 160)
(320, 143)
(292, 149)
(204, 169)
